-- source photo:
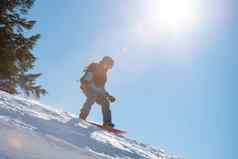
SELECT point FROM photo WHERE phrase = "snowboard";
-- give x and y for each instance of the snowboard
(109, 129)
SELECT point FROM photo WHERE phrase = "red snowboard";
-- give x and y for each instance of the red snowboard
(112, 130)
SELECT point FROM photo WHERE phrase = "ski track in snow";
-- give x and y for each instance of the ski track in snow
(30, 130)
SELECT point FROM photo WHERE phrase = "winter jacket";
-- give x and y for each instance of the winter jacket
(96, 77)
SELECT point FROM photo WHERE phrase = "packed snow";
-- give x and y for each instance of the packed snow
(30, 130)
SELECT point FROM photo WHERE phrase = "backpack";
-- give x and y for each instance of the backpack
(99, 75)
(90, 68)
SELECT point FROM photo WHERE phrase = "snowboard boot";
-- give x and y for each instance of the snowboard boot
(82, 116)
(108, 125)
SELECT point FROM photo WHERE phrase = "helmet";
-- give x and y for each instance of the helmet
(108, 60)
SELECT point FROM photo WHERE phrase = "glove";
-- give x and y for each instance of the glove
(110, 98)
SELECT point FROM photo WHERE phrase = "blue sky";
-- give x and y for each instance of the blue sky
(175, 74)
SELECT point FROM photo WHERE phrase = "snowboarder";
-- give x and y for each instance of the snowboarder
(93, 86)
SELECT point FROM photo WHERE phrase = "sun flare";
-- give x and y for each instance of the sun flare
(174, 15)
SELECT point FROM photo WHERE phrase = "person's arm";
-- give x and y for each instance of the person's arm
(86, 80)
(88, 77)
(89, 83)
(98, 90)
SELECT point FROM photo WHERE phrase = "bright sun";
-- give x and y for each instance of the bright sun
(170, 25)
(173, 15)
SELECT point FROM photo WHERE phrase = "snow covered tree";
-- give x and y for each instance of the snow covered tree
(16, 58)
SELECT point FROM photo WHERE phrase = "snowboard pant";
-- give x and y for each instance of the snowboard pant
(92, 98)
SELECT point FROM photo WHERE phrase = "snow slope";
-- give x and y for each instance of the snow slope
(30, 130)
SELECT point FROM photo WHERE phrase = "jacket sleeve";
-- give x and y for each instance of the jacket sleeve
(98, 90)
(88, 76)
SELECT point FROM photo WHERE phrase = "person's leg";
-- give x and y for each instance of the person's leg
(107, 117)
(87, 105)
(86, 108)
(106, 112)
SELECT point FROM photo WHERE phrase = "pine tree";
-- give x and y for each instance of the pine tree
(16, 58)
